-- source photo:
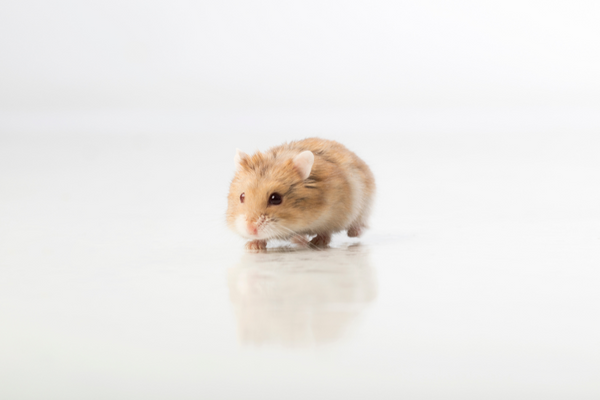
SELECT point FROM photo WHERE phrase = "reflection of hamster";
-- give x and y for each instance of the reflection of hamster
(300, 298)
(308, 187)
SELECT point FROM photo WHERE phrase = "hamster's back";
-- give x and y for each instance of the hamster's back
(348, 183)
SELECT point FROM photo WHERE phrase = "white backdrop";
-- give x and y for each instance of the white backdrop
(240, 54)
(478, 278)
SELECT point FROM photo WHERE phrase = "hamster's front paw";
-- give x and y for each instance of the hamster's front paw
(256, 245)
(321, 240)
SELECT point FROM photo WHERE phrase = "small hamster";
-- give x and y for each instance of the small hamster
(297, 190)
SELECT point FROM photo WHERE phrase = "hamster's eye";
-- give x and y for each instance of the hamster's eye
(275, 199)
(242, 197)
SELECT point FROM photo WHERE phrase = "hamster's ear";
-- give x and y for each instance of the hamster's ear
(303, 163)
(239, 155)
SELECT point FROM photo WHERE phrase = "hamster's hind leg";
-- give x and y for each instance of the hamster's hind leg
(357, 227)
(321, 240)
(355, 230)
(256, 245)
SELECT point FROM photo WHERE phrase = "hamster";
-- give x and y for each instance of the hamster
(297, 190)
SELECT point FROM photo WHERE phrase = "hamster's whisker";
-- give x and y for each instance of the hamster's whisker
(283, 228)
(270, 231)
(289, 231)
(277, 233)
(294, 233)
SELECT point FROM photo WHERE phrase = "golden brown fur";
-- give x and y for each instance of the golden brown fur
(336, 196)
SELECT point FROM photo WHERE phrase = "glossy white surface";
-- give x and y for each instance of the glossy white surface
(479, 277)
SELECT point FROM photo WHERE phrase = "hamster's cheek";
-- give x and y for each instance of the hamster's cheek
(240, 225)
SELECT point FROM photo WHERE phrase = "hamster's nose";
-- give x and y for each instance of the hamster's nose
(252, 228)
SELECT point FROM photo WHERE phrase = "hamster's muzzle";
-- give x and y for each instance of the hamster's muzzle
(252, 228)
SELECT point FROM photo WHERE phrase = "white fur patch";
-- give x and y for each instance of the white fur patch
(241, 225)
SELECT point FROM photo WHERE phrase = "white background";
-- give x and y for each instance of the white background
(230, 54)
(478, 278)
